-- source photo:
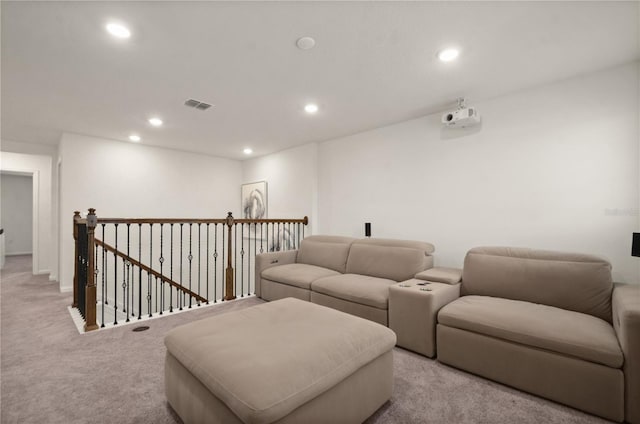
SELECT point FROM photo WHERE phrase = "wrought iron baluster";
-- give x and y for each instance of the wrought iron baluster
(273, 237)
(128, 265)
(255, 251)
(156, 278)
(149, 278)
(249, 260)
(270, 249)
(161, 260)
(180, 296)
(235, 257)
(104, 276)
(190, 258)
(149, 291)
(199, 264)
(139, 271)
(115, 279)
(241, 261)
(261, 236)
(215, 263)
(124, 286)
(171, 274)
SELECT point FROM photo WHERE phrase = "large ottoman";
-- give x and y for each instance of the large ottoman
(287, 361)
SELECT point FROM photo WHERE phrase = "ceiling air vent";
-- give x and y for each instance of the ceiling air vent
(197, 104)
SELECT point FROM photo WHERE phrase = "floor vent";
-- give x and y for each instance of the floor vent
(197, 104)
(141, 328)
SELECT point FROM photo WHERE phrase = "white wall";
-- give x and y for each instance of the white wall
(291, 177)
(40, 167)
(17, 213)
(137, 181)
(553, 167)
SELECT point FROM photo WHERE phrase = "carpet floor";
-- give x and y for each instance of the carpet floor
(51, 374)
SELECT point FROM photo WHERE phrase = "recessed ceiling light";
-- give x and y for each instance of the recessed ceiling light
(156, 122)
(311, 108)
(135, 138)
(447, 55)
(305, 43)
(248, 151)
(118, 30)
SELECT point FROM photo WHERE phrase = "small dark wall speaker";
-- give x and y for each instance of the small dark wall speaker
(367, 230)
(635, 245)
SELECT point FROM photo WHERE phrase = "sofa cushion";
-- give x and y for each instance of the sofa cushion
(427, 248)
(265, 361)
(396, 260)
(572, 281)
(571, 333)
(299, 275)
(325, 251)
(363, 289)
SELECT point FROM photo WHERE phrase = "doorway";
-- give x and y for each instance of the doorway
(17, 214)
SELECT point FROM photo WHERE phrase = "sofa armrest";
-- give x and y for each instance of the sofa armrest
(413, 312)
(625, 302)
(271, 259)
(441, 275)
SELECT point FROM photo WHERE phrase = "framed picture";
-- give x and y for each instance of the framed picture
(254, 200)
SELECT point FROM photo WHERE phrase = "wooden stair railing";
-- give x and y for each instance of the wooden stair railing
(117, 264)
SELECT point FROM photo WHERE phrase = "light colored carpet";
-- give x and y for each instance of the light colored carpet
(51, 374)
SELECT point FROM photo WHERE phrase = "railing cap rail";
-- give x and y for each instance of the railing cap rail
(304, 221)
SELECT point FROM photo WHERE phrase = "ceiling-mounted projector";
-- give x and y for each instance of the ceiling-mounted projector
(462, 117)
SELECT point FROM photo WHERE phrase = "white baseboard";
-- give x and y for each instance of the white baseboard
(66, 289)
(43, 271)
(77, 319)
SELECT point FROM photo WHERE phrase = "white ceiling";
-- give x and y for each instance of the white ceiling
(374, 64)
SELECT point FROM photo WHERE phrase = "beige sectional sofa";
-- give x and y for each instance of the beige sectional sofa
(347, 274)
(549, 323)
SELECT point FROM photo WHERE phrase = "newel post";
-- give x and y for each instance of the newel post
(228, 288)
(91, 292)
(76, 259)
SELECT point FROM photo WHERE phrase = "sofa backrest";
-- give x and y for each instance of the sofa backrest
(571, 281)
(396, 260)
(325, 251)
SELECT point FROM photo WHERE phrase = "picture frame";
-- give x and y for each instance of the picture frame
(254, 200)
